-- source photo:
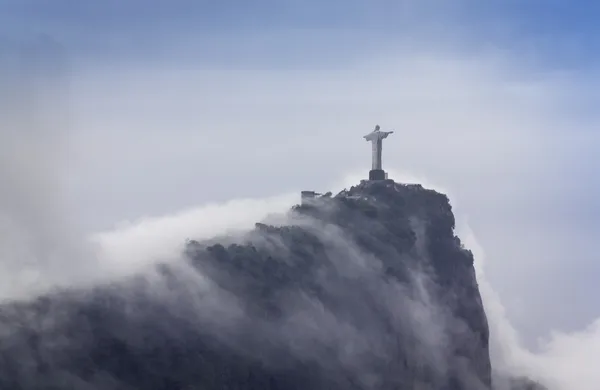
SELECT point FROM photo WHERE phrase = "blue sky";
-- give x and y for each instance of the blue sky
(166, 106)
(559, 33)
(552, 43)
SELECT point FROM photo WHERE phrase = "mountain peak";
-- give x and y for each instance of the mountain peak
(368, 289)
(365, 253)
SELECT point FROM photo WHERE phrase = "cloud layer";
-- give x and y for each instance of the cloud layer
(503, 139)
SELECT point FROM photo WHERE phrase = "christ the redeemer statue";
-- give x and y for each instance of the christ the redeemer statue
(376, 137)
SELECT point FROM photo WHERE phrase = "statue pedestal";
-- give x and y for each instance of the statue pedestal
(377, 174)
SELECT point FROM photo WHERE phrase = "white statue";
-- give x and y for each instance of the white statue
(376, 137)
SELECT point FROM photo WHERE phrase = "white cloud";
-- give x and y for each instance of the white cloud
(151, 240)
(154, 140)
(565, 360)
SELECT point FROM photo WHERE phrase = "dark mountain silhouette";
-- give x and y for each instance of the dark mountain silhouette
(368, 289)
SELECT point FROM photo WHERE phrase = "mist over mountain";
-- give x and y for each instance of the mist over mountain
(368, 289)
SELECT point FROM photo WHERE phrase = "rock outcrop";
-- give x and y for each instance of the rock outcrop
(367, 289)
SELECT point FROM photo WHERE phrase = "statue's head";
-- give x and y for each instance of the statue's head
(376, 127)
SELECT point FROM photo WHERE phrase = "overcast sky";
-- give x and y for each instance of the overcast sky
(117, 111)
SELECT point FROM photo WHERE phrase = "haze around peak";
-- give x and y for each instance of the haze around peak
(149, 121)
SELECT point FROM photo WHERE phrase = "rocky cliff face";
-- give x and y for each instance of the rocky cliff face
(369, 289)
